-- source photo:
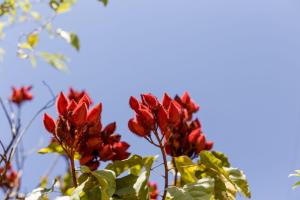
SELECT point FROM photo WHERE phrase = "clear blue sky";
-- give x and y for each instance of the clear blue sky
(240, 60)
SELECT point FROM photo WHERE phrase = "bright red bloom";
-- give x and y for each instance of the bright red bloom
(174, 119)
(153, 191)
(78, 128)
(10, 178)
(21, 95)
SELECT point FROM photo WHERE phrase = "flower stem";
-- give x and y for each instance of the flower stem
(165, 161)
(176, 171)
(73, 173)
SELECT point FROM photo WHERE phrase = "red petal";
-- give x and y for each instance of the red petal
(174, 112)
(72, 105)
(150, 99)
(166, 101)
(94, 114)
(134, 103)
(110, 128)
(209, 145)
(85, 99)
(61, 104)
(49, 123)
(193, 136)
(186, 97)
(80, 114)
(162, 118)
(200, 143)
(136, 128)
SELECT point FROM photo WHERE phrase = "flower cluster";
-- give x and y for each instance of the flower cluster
(174, 118)
(153, 191)
(9, 177)
(77, 95)
(79, 129)
(21, 95)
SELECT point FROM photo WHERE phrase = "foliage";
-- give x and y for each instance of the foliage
(17, 12)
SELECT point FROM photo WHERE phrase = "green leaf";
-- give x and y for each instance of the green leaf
(240, 180)
(134, 185)
(135, 164)
(228, 181)
(95, 185)
(33, 39)
(54, 147)
(105, 2)
(201, 190)
(222, 157)
(61, 6)
(297, 184)
(187, 169)
(70, 38)
(58, 61)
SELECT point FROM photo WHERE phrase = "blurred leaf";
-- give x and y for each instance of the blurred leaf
(297, 174)
(105, 2)
(58, 61)
(39, 193)
(70, 38)
(61, 6)
(203, 189)
(33, 39)
(54, 147)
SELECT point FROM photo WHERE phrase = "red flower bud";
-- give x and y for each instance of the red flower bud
(93, 142)
(72, 105)
(85, 159)
(85, 99)
(162, 119)
(110, 128)
(209, 145)
(79, 114)
(134, 103)
(193, 136)
(147, 117)
(106, 153)
(120, 147)
(200, 143)
(150, 100)
(61, 104)
(174, 112)
(49, 123)
(186, 98)
(93, 165)
(166, 101)
(136, 128)
(94, 114)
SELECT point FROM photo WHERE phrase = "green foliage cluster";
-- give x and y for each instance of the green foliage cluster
(211, 177)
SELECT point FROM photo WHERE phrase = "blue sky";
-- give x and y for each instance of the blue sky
(238, 59)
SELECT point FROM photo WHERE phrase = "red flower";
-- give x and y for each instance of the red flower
(79, 129)
(153, 191)
(173, 117)
(10, 178)
(21, 95)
